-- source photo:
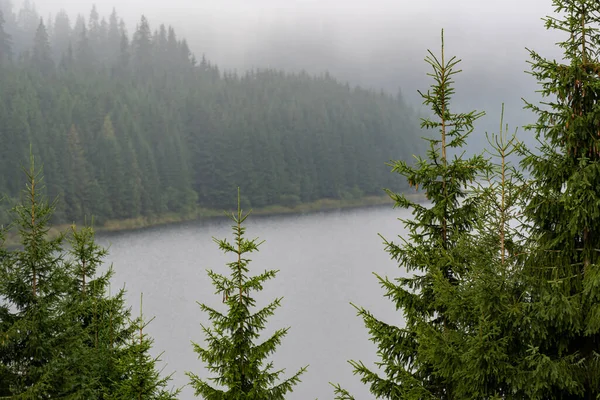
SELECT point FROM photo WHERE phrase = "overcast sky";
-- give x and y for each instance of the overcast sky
(357, 28)
(375, 43)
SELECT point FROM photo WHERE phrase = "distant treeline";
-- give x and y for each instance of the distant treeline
(137, 126)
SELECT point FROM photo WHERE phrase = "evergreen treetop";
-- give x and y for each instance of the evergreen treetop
(232, 354)
(431, 253)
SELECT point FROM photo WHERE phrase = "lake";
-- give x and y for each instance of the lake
(326, 260)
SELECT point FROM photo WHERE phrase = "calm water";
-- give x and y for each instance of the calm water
(326, 261)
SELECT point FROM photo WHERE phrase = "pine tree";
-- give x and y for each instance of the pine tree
(431, 252)
(38, 342)
(484, 356)
(142, 45)
(114, 360)
(231, 352)
(113, 37)
(563, 210)
(42, 53)
(124, 57)
(84, 52)
(61, 39)
(94, 313)
(139, 377)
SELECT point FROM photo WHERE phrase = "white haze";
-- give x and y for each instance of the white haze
(379, 44)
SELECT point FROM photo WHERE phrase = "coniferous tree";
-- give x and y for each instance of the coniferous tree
(61, 38)
(113, 37)
(410, 363)
(239, 363)
(124, 47)
(28, 21)
(42, 53)
(95, 314)
(114, 360)
(563, 212)
(39, 344)
(142, 45)
(487, 355)
(84, 53)
(139, 376)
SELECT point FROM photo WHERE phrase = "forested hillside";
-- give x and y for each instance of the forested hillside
(130, 125)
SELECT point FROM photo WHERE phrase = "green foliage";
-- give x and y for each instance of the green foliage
(412, 361)
(139, 377)
(239, 364)
(38, 345)
(505, 300)
(61, 334)
(563, 211)
(104, 319)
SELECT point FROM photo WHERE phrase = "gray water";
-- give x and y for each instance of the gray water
(326, 260)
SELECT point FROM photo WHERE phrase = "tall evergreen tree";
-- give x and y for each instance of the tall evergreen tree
(42, 53)
(564, 211)
(431, 252)
(113, 37)
(39, 344)
(142, 45)
(84, 53)
(114, 361)
(232, 354)
(61, 39)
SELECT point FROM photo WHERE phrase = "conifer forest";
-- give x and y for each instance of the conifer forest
(498, 284)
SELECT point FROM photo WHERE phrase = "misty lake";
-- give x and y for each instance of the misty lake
(326, 260)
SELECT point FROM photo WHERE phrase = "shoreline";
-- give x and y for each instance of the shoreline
(139, 223)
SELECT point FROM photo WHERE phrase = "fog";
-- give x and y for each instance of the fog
(373, 43)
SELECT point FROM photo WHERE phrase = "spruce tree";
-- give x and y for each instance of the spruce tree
(563, 211)
(42, 53)
(142, 45)
(239, 364)
(489, 350)
(102, 318)
(61, 39)
(139, 377)
(485, 355)
(114, 361)
(38, 343)
(411, 365)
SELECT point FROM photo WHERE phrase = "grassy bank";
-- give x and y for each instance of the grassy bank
(202, 213)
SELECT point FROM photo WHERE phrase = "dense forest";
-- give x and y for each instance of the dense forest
(137, 126)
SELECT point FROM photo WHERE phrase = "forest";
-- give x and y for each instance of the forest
(501, 299)
(135, 125)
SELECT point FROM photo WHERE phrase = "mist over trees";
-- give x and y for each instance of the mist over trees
(131, 124)
(503, 302)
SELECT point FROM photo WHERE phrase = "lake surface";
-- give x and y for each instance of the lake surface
(326, 260)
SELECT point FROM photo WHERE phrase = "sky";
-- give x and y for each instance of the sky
(379, 44)
(230, 31)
